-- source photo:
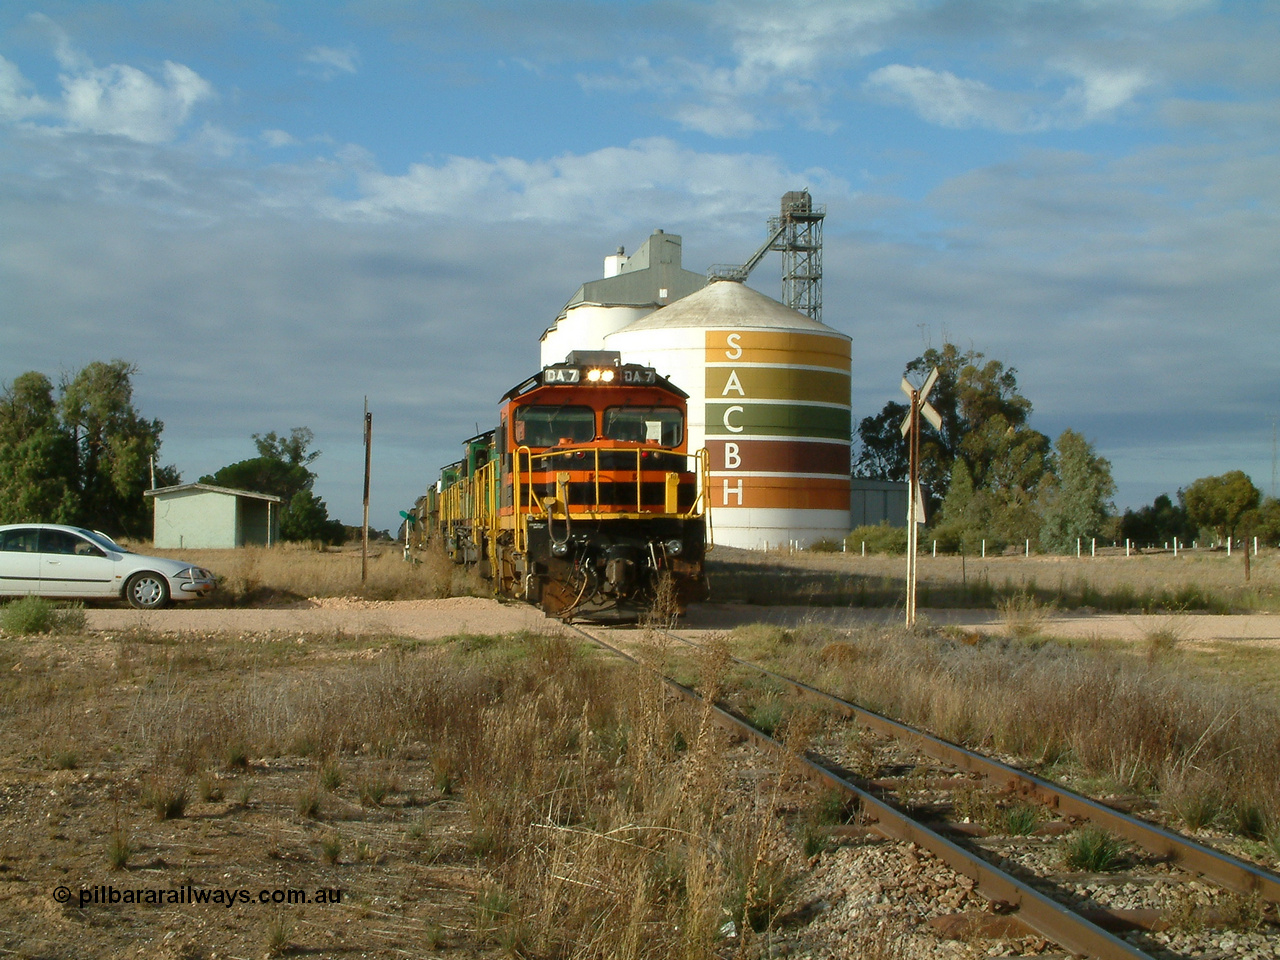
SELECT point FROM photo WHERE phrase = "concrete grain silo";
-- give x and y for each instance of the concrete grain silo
(632, 287)
(769, 398)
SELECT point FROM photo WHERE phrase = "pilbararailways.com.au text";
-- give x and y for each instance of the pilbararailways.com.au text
(110, 895)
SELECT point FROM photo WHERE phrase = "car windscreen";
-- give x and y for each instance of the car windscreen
(101, 539)
(543, 425)
(661, 425)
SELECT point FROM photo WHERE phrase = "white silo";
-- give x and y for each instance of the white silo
(631, 288)
(769, 398)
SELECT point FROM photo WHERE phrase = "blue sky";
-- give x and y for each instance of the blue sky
(277, 209)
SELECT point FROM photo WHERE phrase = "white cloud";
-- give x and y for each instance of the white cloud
(793, 39)
(16, 102)
(769, 64)
(123, 100)
(943, 98)
(119, 99)
(1100, 93)
(278, 138)
(329, 62)
(950, 101)
(613, 185)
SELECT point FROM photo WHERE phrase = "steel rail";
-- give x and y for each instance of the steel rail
(1037, 911)
(1221, 868)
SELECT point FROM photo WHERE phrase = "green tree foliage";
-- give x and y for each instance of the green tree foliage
(263, 475)
(983, 415)
(83, 457)
(291, 449)
(963, 519)
(984, 426)
(114, 447)
(306, 517)
(1158, 523)
(1220, 503)
(1264, 522)
(37, 456)
(1075, 500)
(282, 469)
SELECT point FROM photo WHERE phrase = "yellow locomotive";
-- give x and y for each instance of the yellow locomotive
(584, 499)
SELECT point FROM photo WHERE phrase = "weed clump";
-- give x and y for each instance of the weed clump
(119, 849)
(1020, 820)
(28, 616)
(1094, 850)
(166, 798)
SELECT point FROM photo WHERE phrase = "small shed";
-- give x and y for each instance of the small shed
(200, 515)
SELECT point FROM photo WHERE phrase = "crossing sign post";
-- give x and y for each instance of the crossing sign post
(920, 407)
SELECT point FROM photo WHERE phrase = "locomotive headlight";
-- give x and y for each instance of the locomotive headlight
(606, 376)
(674, 548)
(600, 376)
(593, 376)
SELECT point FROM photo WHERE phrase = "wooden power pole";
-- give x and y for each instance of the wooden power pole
(364, 534)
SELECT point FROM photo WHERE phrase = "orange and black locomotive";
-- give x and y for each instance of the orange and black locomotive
(585, 499)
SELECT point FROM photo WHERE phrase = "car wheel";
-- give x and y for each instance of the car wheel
(147, 591)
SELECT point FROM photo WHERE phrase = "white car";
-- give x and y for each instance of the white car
(62, 562)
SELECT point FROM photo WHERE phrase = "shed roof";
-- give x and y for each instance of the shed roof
(210, 488)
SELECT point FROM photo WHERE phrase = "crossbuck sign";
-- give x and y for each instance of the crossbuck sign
(920, 407)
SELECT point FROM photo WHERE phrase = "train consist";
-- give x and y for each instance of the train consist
(585, 499)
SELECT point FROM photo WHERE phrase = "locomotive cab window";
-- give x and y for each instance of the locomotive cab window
(540, 425)
(656, 425)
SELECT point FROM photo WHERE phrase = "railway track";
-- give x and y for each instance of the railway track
(1044, 904)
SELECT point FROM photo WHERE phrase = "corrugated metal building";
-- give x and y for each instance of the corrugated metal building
(878, 501)
(200, 515)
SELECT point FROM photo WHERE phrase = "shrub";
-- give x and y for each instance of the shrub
(31, 615)
(880, 538)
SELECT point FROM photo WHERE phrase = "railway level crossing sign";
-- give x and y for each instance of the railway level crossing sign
(920, 407)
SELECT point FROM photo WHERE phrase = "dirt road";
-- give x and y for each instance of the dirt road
(428, 619)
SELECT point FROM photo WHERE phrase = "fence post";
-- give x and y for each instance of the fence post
(1077, 548)
(1126, 546)
(1175, 547)
(1229, 546)
(984, 548)
(1093, 547)
(864, 548)
(935, 547)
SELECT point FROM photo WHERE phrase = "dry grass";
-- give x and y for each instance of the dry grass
(1154, 582)
(259, 575)
(1024, 617)
(1194, 581)
(569, 806)
(1114, 721)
